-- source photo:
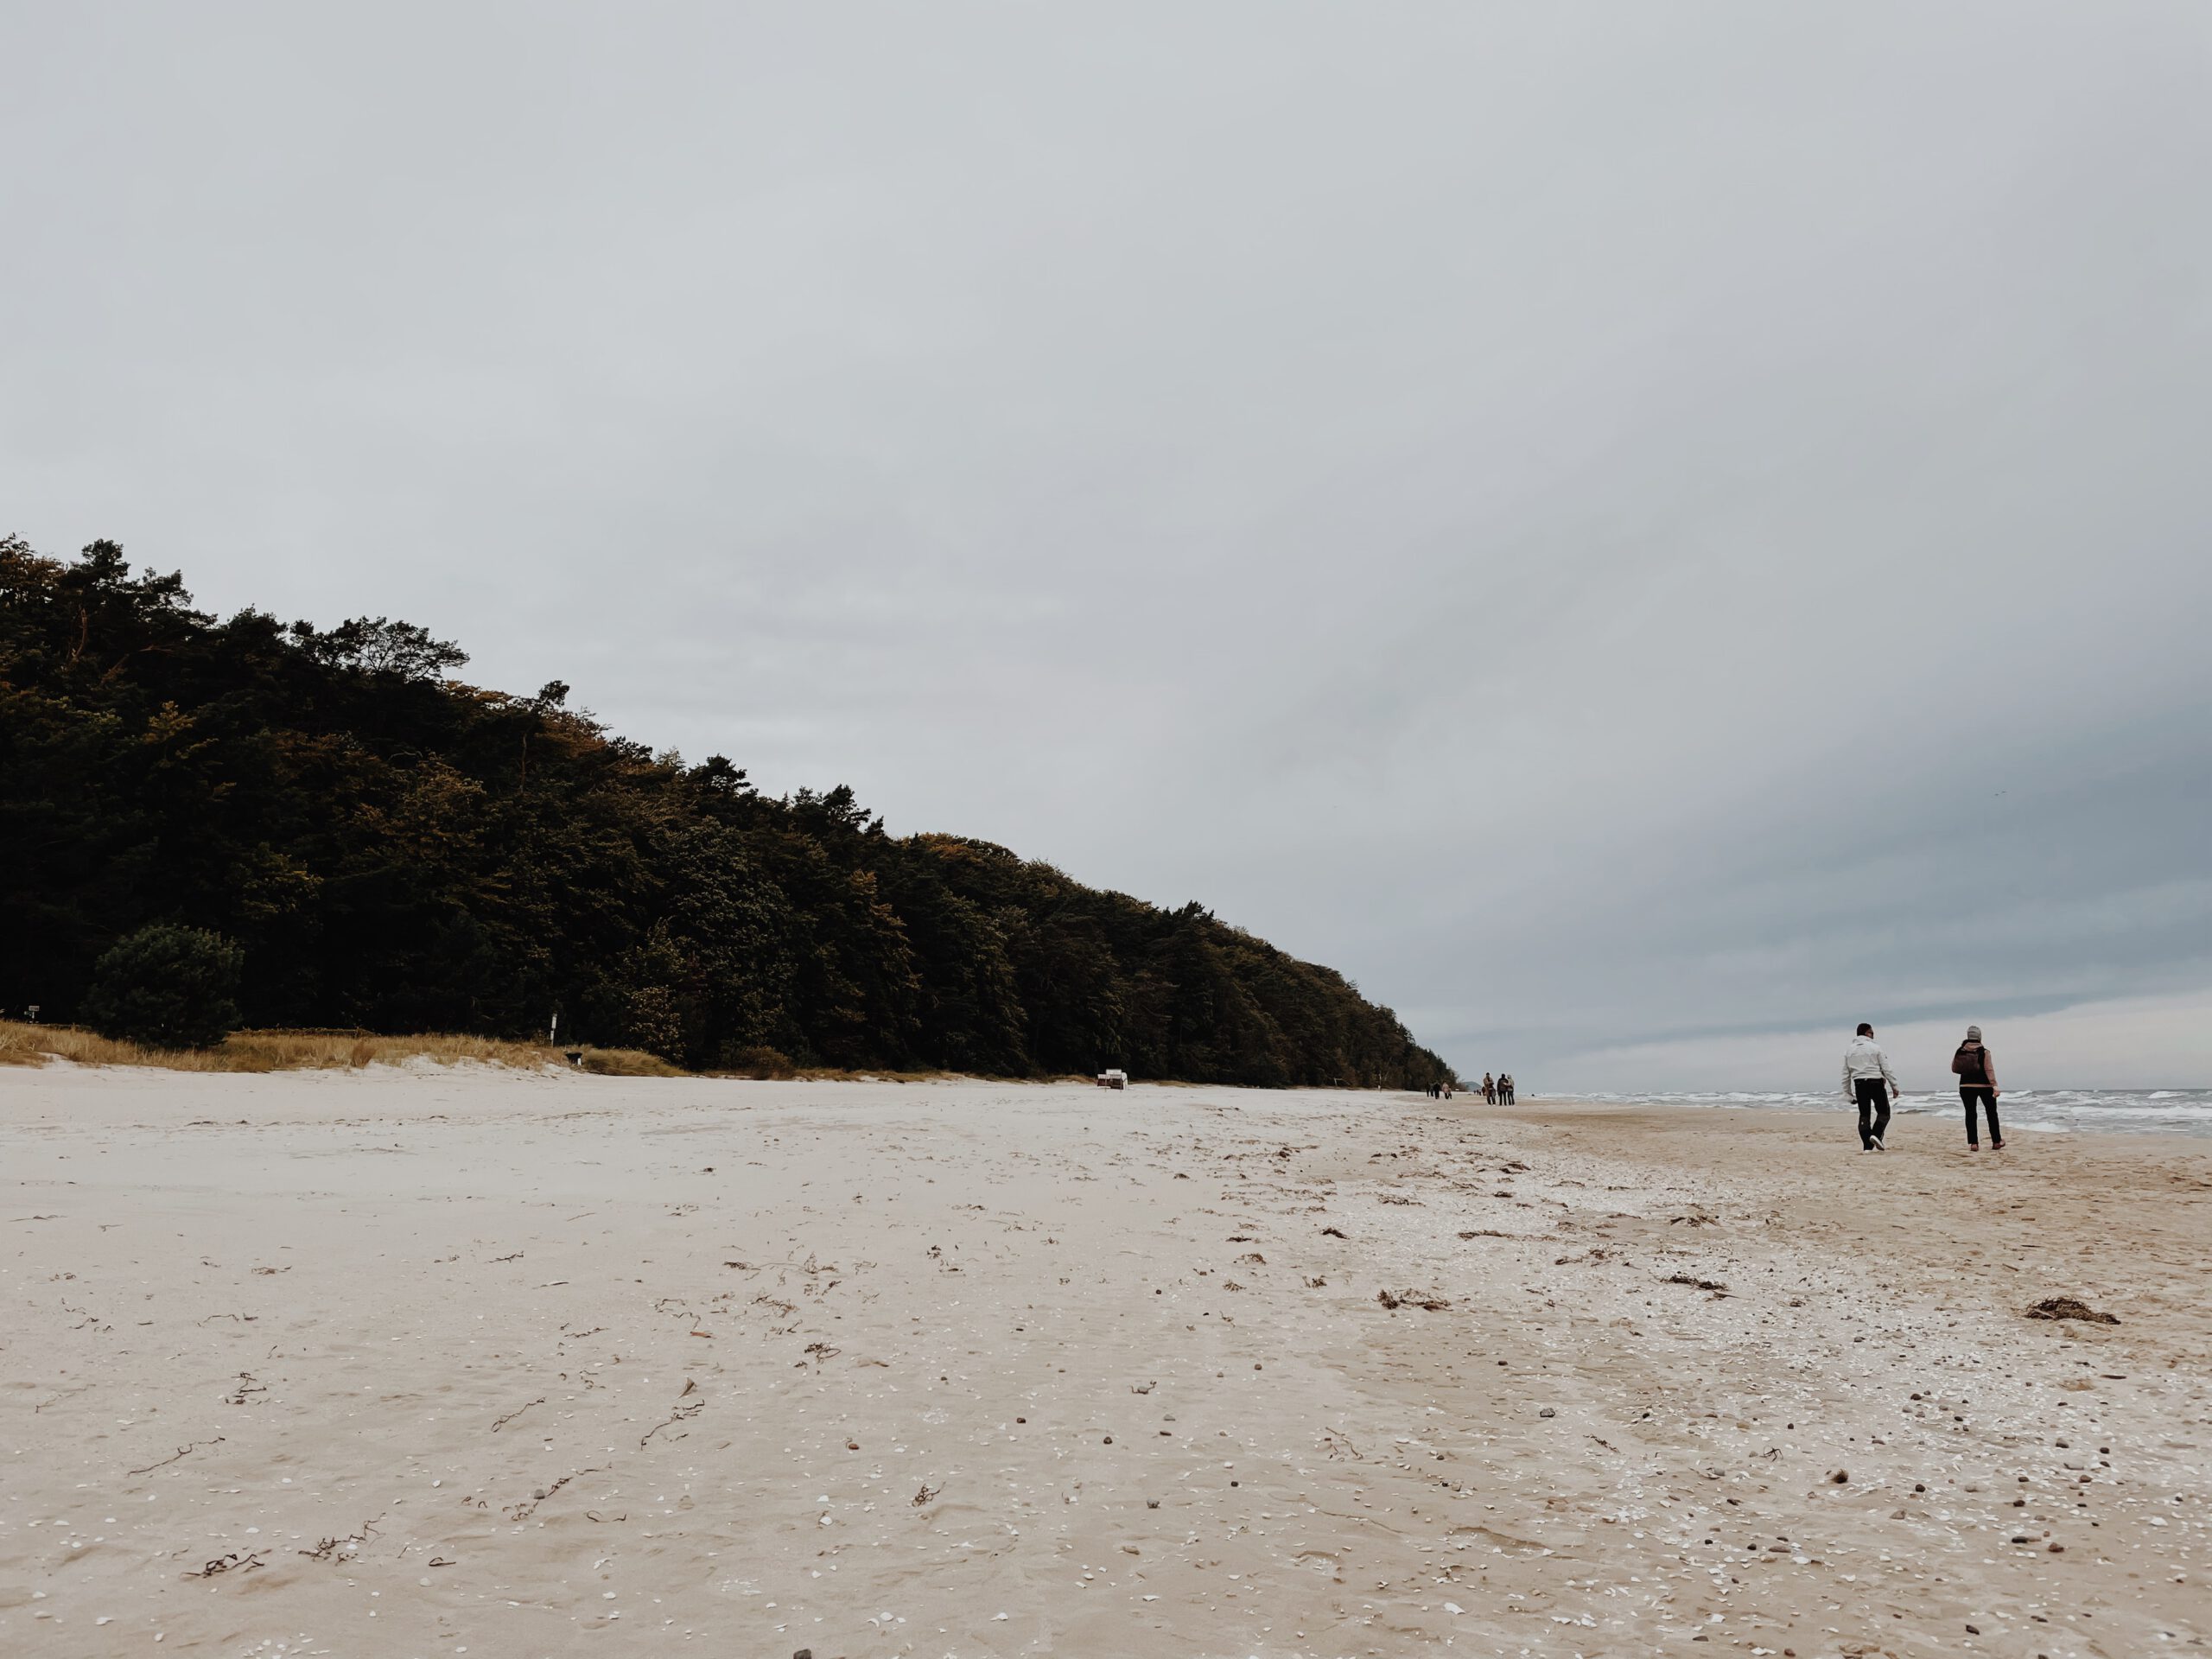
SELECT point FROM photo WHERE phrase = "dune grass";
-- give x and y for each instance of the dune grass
(23, 1043)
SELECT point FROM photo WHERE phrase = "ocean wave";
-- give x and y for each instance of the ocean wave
(2111, 1111)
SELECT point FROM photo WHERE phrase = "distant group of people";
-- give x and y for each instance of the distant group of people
(1869, 1081)
(1496, 1091)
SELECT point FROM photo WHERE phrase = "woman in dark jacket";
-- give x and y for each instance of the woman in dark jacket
(1978, 1086)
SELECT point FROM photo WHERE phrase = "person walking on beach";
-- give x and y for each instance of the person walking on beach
(1867, 1077)
(1978, 1087)
(1490, 1090)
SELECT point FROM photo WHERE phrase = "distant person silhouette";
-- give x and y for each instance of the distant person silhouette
(1867, 1077)
(1490, 1090)
(1977, 1073)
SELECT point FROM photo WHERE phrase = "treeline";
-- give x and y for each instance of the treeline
(394, 849)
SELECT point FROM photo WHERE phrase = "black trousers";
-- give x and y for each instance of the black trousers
(1987, 1099)
(1873, 1108)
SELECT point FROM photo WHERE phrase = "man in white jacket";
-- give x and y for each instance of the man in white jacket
(1867, 1077)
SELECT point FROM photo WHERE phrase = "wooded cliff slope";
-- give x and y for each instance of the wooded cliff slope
(397, 850)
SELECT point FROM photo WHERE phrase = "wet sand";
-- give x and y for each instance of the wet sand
(394, 1363)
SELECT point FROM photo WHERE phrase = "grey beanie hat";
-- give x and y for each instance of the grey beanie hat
(1974, 1033)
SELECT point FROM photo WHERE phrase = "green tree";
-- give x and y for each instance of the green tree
(167, 986)
(390, 847)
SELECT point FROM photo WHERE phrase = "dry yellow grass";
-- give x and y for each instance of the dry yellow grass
(309, 1050)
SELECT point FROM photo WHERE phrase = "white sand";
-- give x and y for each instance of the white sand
(590, 1366)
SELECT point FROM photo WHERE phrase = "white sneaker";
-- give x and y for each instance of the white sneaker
(1879, 1146)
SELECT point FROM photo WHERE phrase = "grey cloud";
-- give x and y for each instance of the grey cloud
(1568, 515)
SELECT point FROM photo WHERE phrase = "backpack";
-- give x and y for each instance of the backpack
(1972, 1064)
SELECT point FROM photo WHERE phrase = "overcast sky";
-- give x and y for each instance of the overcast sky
(1645, 534)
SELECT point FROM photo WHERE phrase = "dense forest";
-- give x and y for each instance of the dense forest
(394, 849)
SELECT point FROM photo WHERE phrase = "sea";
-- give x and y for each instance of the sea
(2045, 1111)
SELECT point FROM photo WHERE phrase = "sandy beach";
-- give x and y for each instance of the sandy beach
(414, 1362)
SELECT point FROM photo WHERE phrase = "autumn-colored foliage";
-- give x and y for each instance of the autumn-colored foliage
(393, 850)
